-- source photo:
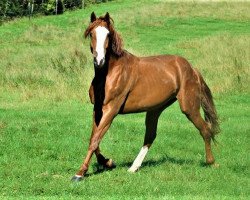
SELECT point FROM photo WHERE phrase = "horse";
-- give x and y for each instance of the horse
(124, 83)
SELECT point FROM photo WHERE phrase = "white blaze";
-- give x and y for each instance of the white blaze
(101, 34)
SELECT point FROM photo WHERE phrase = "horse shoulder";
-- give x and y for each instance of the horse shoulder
(117, 84)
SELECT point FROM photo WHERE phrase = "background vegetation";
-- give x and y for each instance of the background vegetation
(10, 9)
(45, 115)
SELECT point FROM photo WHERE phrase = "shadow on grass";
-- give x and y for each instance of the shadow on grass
(165, 159)
(150, 163)
(98, 170)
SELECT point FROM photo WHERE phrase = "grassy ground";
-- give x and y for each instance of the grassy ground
(45, 114)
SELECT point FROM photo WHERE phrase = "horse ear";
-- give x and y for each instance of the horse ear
(92, 17)
(107, 18)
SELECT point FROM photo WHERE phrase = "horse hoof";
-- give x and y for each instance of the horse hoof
(76, 178)
(215, 165)
(133, 169)
(110, 164)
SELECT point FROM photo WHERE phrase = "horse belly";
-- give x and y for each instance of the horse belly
(145, 98)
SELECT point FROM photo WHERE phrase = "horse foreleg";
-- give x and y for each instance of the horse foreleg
(150, 135)
(97, 134)
(105, 162)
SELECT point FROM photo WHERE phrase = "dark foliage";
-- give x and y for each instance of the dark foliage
(10, 9)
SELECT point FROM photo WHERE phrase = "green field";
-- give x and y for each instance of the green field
(45, 115)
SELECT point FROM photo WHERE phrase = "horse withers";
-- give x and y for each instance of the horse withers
(124, 83)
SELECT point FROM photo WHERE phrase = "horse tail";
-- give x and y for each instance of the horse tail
(208, 107)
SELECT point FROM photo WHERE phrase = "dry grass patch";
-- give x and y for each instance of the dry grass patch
(224, 60)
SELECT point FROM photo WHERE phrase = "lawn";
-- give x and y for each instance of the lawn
(45, 115)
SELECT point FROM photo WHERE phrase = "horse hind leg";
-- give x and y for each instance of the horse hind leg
(204, 129)
(150, 135)
(190, 106)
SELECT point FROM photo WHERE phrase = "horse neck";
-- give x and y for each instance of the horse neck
(110, 64)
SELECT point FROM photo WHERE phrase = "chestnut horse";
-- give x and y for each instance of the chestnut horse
(124, 83)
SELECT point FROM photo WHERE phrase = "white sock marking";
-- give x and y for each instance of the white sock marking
(138, 161)
(101, 34)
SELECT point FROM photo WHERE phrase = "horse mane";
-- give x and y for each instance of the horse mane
(116, 41)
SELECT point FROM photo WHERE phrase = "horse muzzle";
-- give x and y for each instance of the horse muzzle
(99, 64)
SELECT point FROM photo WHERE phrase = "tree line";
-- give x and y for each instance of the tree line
(10, 9)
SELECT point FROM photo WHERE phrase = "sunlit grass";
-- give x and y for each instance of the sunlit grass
(43, 145)
(49, 53)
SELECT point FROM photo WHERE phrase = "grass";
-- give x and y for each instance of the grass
(45, 114)
(44, 143)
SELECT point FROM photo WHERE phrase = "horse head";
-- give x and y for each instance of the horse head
(105, 41)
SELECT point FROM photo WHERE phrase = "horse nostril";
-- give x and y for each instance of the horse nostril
(102, 62)
(99, 64)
